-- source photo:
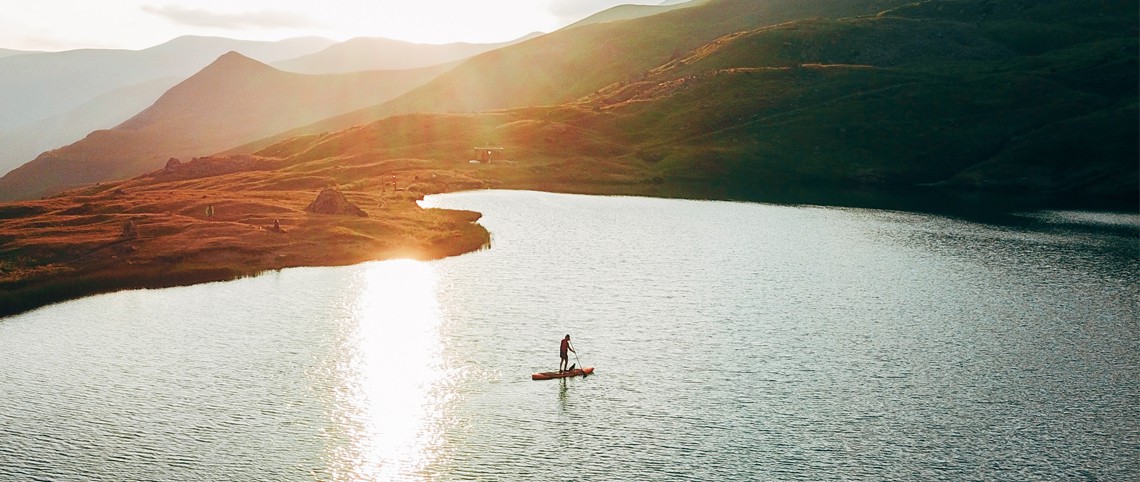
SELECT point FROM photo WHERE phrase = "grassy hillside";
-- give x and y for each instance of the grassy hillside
(964, 95)
(916, 95)
(79, 243)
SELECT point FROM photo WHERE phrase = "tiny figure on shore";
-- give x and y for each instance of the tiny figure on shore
(277, 225)
(210, 210)
(130, 230)
(562, 353)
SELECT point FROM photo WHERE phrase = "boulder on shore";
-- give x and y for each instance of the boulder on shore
(331, 201)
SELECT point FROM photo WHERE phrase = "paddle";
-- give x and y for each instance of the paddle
(579, 362)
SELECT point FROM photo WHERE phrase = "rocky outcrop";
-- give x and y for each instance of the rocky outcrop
(331, 201)
(209, 166)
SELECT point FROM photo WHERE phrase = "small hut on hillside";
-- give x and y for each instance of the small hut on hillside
(487, 154)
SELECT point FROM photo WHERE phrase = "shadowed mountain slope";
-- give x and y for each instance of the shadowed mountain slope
(915, 95)
(233, 100)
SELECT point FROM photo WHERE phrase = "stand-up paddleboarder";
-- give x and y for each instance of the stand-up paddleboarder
(562, 353)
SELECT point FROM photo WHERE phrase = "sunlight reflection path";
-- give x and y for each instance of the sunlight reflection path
(394, 376)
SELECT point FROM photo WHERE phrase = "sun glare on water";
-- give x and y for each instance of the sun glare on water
(393, 394)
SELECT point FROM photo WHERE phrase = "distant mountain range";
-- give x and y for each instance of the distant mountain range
(10, 52)
(40, 85)
(231, 101)
(50, 99)
(43, 94)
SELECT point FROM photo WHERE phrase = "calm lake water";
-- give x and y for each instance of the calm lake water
(732, 341)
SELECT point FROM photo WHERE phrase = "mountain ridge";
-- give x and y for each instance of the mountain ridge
(374, 53)
(228, 102)
(42, 88)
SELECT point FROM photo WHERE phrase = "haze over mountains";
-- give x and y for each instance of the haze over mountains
(9, 52)
(231, 101)
(359, 54)
(1037, 98)
(46, 98)
(51, 99)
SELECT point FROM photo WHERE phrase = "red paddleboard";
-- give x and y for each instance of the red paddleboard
(577, 372)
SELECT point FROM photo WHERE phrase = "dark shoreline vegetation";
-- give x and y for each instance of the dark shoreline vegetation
(973, 109)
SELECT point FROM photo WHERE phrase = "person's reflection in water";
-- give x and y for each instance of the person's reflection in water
(563, 399)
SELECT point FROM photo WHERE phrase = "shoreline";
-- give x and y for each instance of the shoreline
(180, 248)
(142, 234)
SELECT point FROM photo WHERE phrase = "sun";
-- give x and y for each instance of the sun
(437, 22)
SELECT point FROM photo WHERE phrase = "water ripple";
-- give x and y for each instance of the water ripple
(732, 342)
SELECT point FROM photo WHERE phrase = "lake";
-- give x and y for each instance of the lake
(731, 341)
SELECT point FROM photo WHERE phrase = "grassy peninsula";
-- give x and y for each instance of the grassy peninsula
(216, 219)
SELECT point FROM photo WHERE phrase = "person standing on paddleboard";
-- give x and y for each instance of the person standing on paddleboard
(562, 353)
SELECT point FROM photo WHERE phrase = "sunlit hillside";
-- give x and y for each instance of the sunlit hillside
(568, 64)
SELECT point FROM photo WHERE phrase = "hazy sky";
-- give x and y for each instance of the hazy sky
(137, 24)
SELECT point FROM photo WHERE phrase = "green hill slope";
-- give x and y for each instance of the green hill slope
(965, 95)
(909, 96)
